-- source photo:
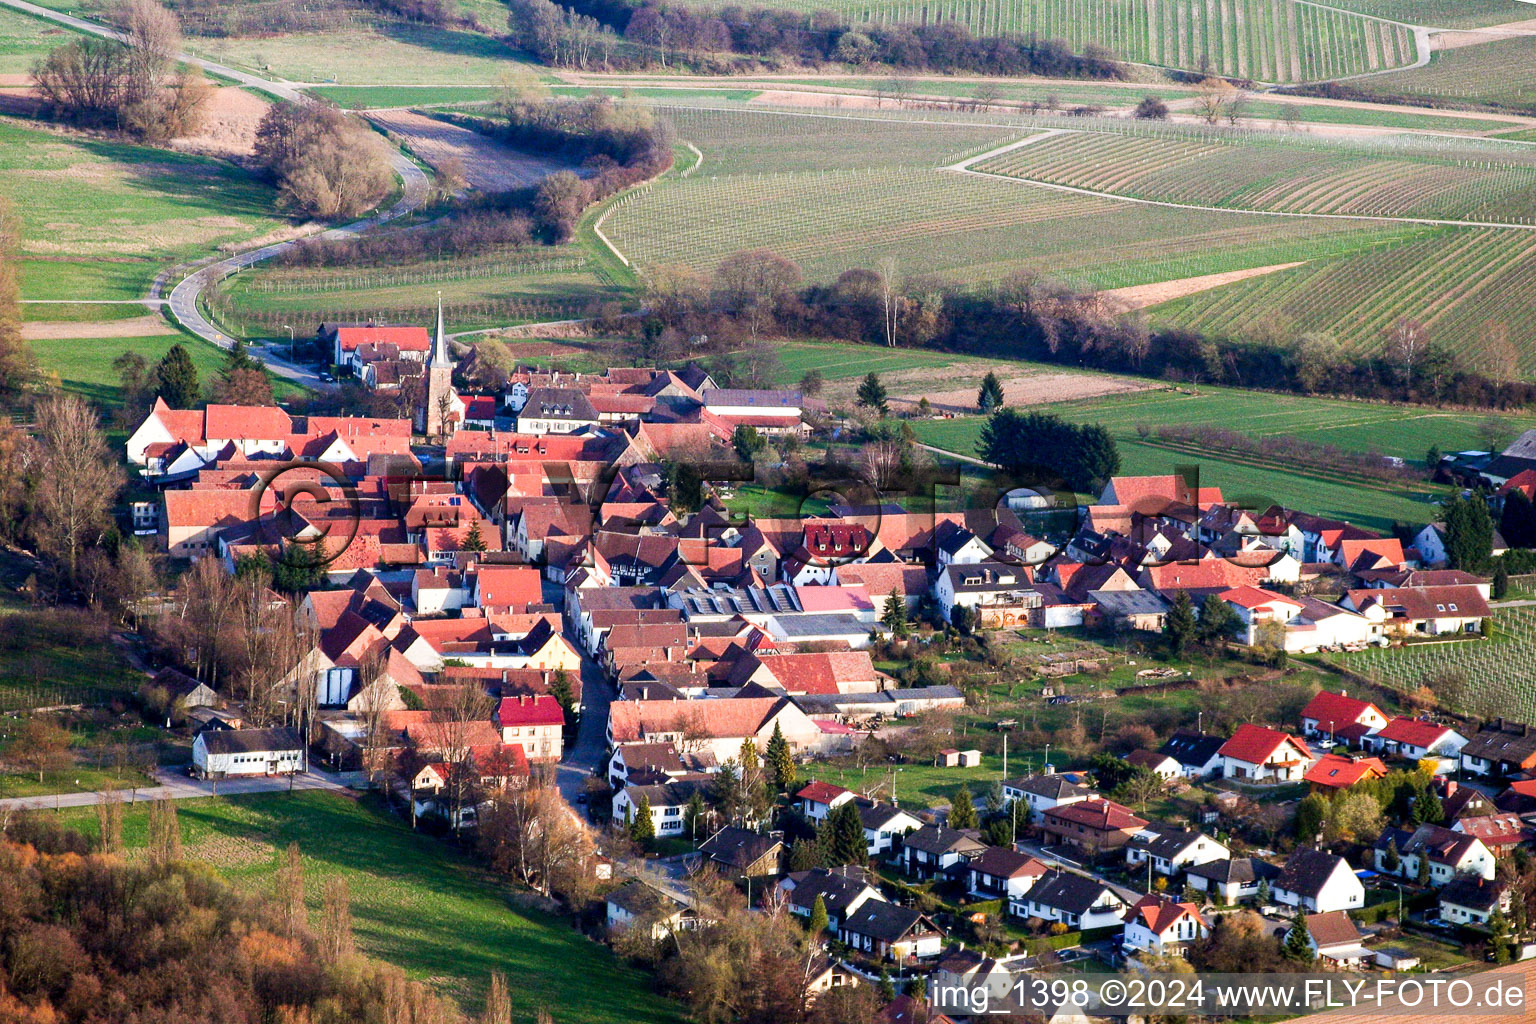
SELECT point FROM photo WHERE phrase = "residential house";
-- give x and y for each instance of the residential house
(1164, 766)
(1416, 740)
(935, 850)
(1330, 715)
(556, 411)
(884, 825)
(228, 753)
(741, 853)
(1428, 611)
(1501, 833)
(1171, 850)
(1077, 901)
(1232, 880)
(653, 763)
(1336, 941)
(182, 690)
(668, 803)
(1333, 772)
(1198, 755)
(1449, 853)
(1093, 826)
(818, 799)
(1000, 873)
(1318, 882)
(889, 932)
(1500, 748)
(1044, 792)
(1471, 899)
(1257, 754)
(718, 726)
(535, 723)
(842, 890)
(1163, 926)
(637, 902)
(1001, 595)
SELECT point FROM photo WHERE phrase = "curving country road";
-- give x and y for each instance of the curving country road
(183, 298)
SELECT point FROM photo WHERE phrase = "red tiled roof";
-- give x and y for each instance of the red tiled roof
(1101, 815)
(1160, 913)
(631, 720)
(820, 673)
(525, 710)
(1254, 598)
(1254, 744)
(233, 422)
(1495, 829)
(1338, 772)
(408, 339)
(1413, 731)
(508, 586)
(820, 792)
(1337, 708)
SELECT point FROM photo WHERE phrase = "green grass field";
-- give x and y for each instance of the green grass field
(1499, 74)
(1315, 113)
(396, 54)
(415, 903)
(84, 365)
(368, 97)
(24, 39)
(100, 219)
(1066, 94)
(1403, 431)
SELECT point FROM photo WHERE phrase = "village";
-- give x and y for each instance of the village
(541, 589)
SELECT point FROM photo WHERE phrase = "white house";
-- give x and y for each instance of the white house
(1416, 740)
(1232, 880)
(1471, 899)
(890, 932)
(1336, 941)
(223, 753)
(1330, 715)
(1079, 902)
(1198, 755)
(1171, 850)
(1001, 873)
(818, 799)
(1451, 854)
(1162, 925)
(1164, 766)
(1257, 754)
(883, 825)
(1044, 792)
(668, 802)
(958, 546)
(1318, 882)
(637, 901)
(933, 850)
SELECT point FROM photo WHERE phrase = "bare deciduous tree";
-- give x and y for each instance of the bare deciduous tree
(77, 481)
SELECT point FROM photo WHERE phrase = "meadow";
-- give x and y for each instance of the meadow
(23, 39)
(388, 53)
(1267, 40)
(84, 365)
(1408, 176)
(99, 218)
(1500, 74)
(1317, 113)
(1457, 281)
(1406, 432)
(415, 902)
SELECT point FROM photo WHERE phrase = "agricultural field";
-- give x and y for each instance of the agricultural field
(415, 903)
(1481, 677)
(1406, 432)
(397, 54)
(485, 291)
(1471, 287)
(1317, 113)
(1440, 13)
(1407, 177)
(371, 97)
(1066, 94)
(1499, 74)
(1266, 40)
(100, 219)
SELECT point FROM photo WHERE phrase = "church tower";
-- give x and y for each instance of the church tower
(438, 394)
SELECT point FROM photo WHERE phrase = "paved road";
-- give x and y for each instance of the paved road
(178, 786)
(591, 744)
(183, 297)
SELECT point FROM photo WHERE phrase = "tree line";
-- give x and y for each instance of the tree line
(1030, 316)
(721, 38)
(126, 84)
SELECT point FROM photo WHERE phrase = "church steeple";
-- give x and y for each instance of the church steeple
(434, 417)
(439, 355)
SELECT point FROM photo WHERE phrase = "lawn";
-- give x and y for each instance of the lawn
(71, 780)
(100, 219)
(1316, 113)
(415, 903)
(84, 365)
(1400, 430)
(921, 785)
(367, 97)
(24, 39)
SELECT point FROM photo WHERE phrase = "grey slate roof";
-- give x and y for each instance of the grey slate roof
(1191, 748)
(1065, 891)
(738, 847)
(252, 741)
(1239, 870)
(885, 922)
(1307, 871)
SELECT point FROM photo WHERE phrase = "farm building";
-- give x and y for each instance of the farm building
(223, 753)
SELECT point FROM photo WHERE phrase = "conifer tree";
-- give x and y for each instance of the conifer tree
(642, 829)
(818, 922)
(962, 810)
(780, 760)
(1298, 941)
(176, 378)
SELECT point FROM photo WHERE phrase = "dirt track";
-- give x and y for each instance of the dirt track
(908, 386)
(488, 165)
(1143, 295)
(133, 327)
